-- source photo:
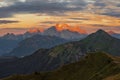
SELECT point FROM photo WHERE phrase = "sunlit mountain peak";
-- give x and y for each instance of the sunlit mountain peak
(61, 27)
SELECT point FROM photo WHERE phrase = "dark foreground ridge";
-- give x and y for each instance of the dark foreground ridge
(94, 66)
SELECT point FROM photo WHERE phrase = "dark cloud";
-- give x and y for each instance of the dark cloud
(109, 28)
(112, 13)
(98, 25)
(100, 3)
(118, 5)
(49, 22)
(38, 6)
(14, 28)
(7, 21)
(79, 18)
(103, 6)
(55, 7)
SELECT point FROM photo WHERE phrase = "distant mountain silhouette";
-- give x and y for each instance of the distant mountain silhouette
(114, 34)
(9, 41)
(30, 45)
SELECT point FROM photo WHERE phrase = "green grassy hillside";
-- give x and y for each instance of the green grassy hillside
(94, 66)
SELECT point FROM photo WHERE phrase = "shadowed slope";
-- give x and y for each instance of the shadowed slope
(94, 66)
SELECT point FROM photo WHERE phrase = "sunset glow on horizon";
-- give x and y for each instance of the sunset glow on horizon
(88, 15)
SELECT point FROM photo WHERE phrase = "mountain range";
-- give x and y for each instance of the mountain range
(63, 31)
(10, 41)
(50, 59)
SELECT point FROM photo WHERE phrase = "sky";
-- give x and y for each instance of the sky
(19, 16)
